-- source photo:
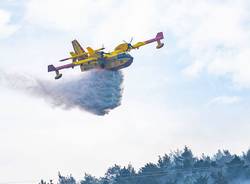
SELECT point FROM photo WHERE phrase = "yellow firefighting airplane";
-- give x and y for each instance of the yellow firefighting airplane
(98, 59)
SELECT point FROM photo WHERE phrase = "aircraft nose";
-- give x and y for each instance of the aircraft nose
(130, 60)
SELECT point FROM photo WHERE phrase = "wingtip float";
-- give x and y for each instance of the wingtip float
(98, 59)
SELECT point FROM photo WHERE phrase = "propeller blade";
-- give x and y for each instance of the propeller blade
(131, 40)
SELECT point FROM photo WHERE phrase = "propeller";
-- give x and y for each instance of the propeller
(102, 48)
(131, 40)
(129, 43)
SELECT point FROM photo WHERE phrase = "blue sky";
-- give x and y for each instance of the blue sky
(194, 91)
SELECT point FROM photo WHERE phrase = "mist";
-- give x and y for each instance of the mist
(97, 92)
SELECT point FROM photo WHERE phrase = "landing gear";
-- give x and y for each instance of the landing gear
(58, 75)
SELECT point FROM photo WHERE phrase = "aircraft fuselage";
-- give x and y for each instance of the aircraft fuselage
(117, 62)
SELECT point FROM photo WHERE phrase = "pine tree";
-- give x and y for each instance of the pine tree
(66, 180)
(201, 180)
(164, 162)
(235, 167)
(188, 158)
(219, 178)
(88, 179)
(149, 174)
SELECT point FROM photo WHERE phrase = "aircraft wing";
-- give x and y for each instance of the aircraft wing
(126, 47)
(138, 45)
(157, 39)
(88, 60)
(74, 57)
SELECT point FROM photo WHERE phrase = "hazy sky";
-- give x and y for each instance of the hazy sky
(194, 91)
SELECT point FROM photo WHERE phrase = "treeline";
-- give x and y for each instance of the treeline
(179, 167)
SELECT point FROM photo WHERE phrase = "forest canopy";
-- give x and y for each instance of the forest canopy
(178, 167)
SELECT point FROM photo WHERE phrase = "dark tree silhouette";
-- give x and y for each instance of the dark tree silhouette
(179, 167)
(235, 168)
(201, 180)
(219, 178)
(66, 180)
(188, 158)
(88, 179)
(164, 162)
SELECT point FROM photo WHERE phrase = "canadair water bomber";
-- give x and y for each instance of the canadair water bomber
(98, 59)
